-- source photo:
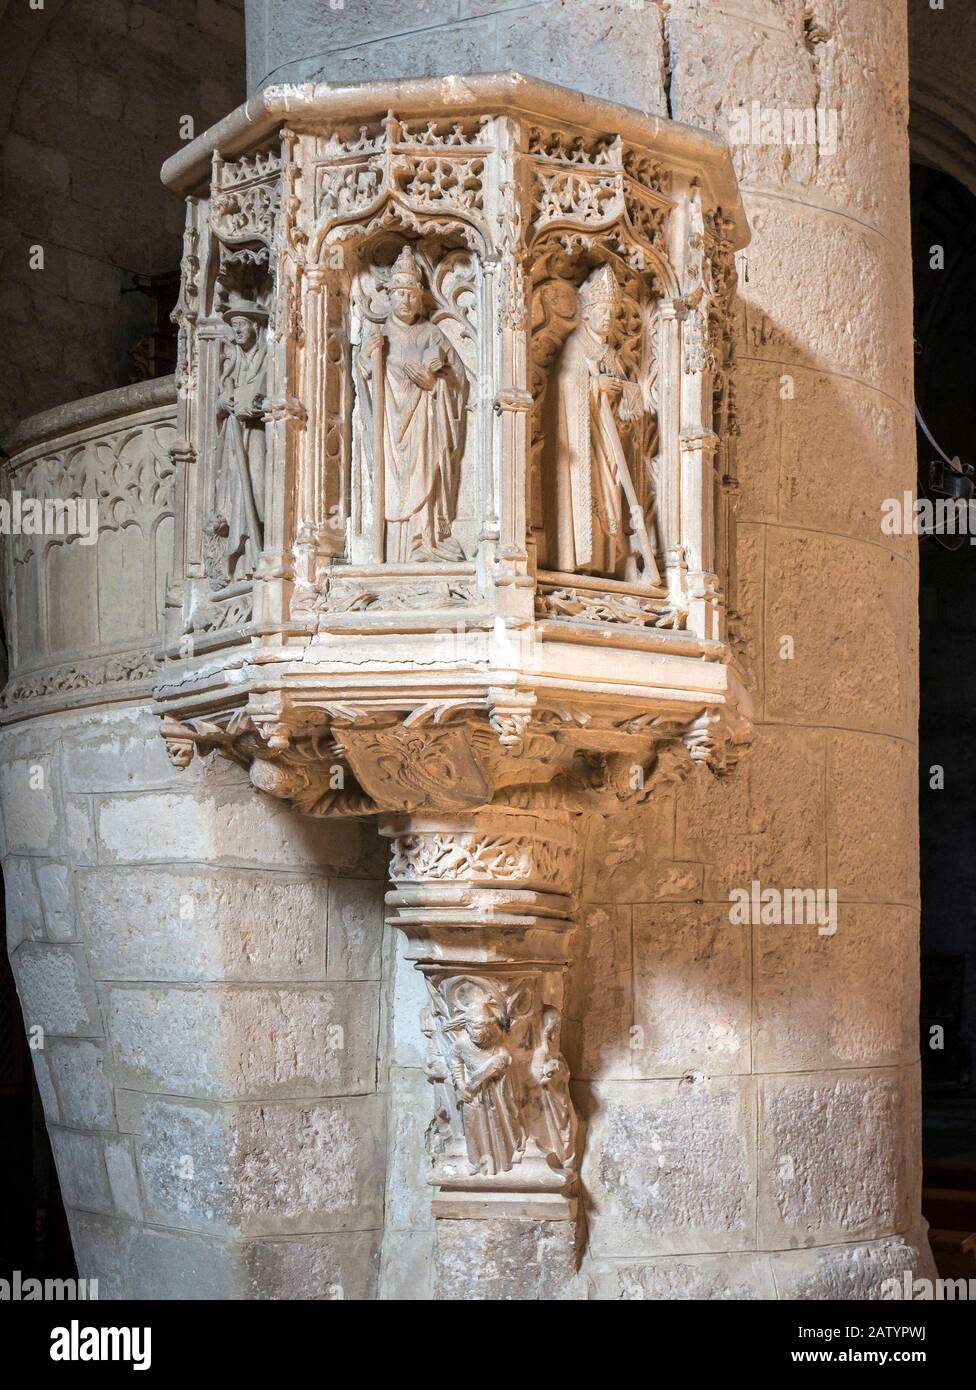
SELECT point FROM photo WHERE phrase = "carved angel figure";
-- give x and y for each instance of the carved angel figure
(484, 1085)
(241, 443)
(549, 1111)
(415, 391)
(599, 526)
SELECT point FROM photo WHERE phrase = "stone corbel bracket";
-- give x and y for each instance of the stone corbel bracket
(444, 669)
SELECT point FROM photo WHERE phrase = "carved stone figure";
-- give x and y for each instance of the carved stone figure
(598, 523)
(484, 1084)
(415, 392)
(241, 444)
(444, 1124)
(549, 1111)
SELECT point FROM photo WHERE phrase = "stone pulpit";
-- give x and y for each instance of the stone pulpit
(456, 489)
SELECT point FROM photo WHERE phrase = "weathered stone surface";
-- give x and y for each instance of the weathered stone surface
(689, 1277)
(45, 1087)
(847, 1000)
(80, 830)
(851, 1272)
(82, 1174)
(871, 677)
(838, 1157)
(24, 913)
(122, 1178)
(233, 1043)
(829, 426)
(784, 315)
(341, 1266)
(241, 830)
(85, 1089)
(190, 925)
(122, 750)
(759, 386)
(144, 1262)
(766, 59)
(211, 1167)
(871, 786)
(571, 43)
(54, 882)
(407, 1190)
(356, 913)
(499, 1260)
(29, 806)
(766, 823)
(599, 1010)
(136, 1262)
(572, 46)
(669, 1165)
(407, 997)
(56, 991)
(406, 1266)
(692, 972)
(632, 860)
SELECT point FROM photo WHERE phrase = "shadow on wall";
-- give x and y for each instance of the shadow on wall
(688, 1035)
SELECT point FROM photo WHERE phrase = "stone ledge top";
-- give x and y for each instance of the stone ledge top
(188, 171)
(90, 410)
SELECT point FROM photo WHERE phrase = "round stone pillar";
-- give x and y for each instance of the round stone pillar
(750, 1091)
(612, 50)
(768, 1105)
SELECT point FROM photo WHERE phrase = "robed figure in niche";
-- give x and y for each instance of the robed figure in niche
(241, 443)
(415, 391)
(596, 518)
(480, 1068)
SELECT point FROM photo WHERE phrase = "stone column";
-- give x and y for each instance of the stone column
(610, 50)
(691, 1037)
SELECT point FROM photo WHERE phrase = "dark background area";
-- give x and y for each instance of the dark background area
(944, 214)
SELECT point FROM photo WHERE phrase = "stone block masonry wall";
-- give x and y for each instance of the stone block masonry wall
(94, 94)
(752, 1092)
(204, 969)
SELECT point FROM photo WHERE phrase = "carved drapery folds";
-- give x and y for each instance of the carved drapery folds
(457, 504)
